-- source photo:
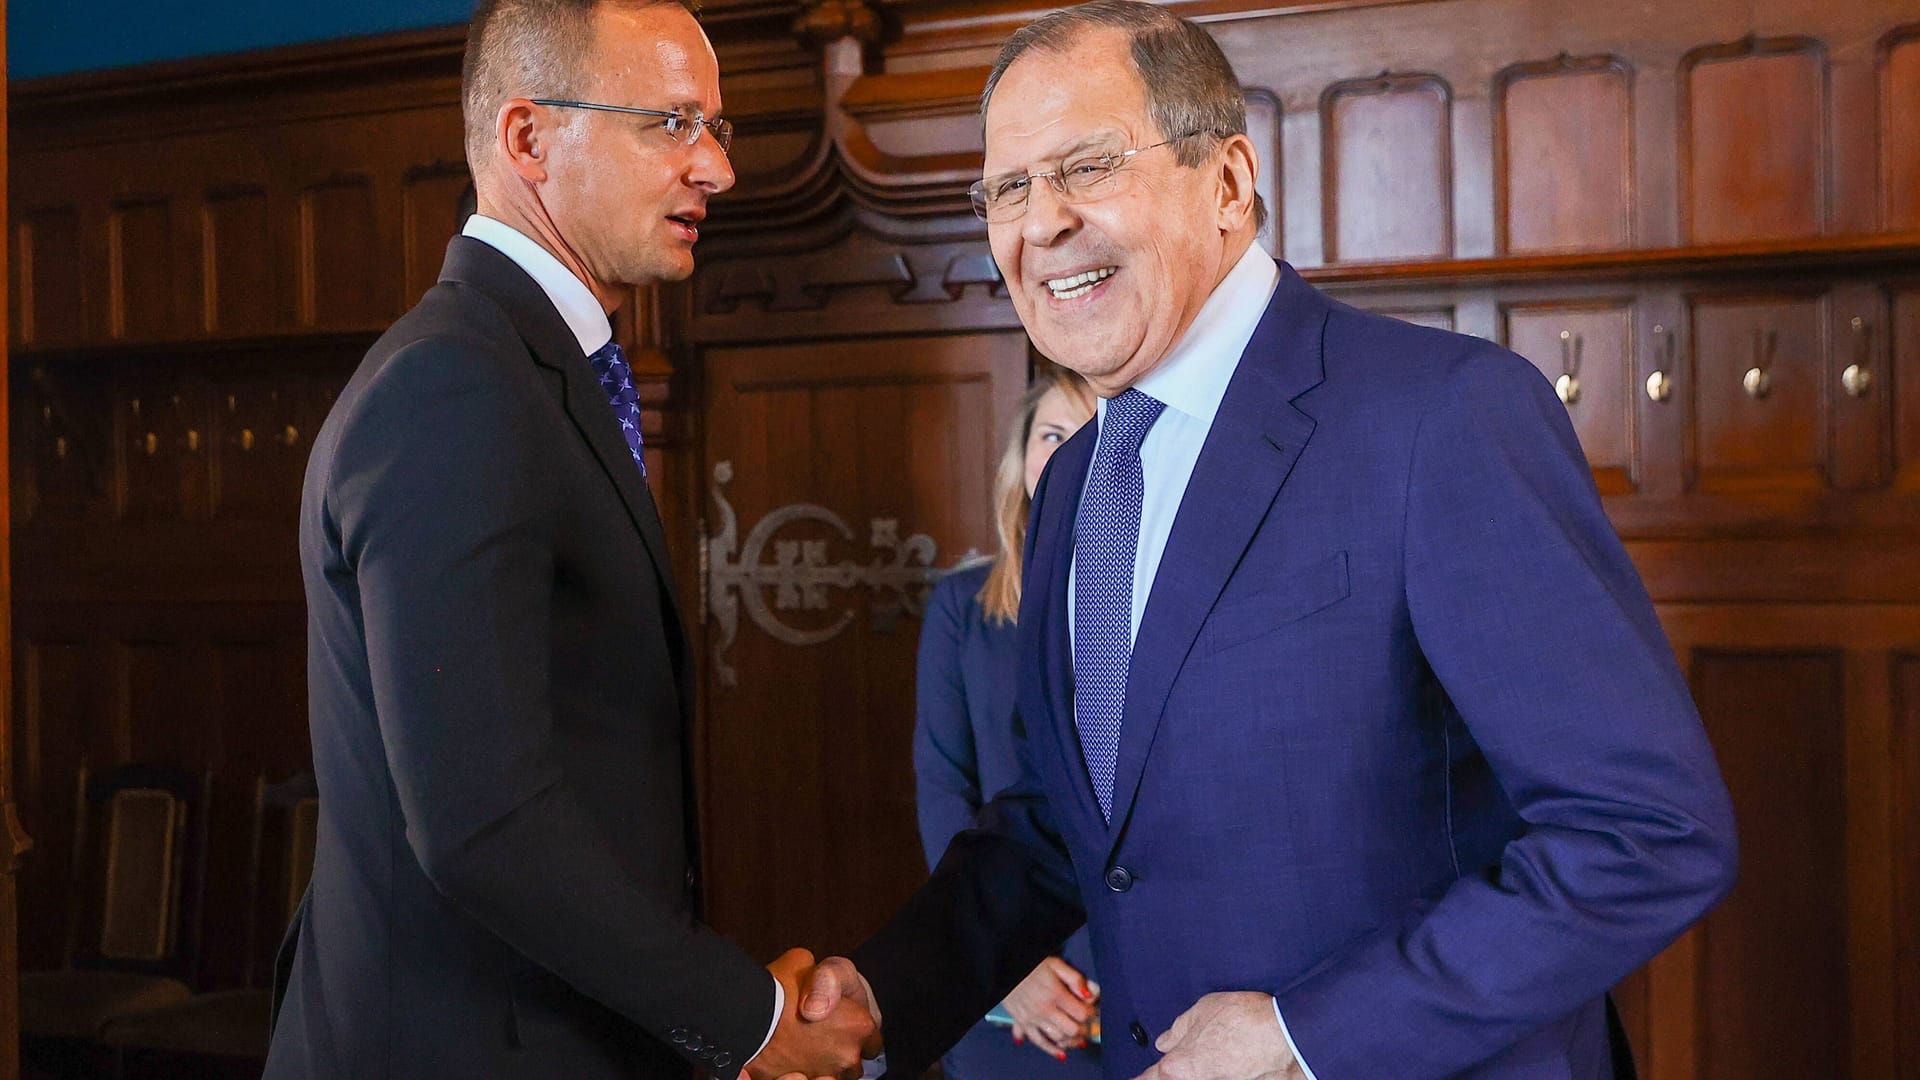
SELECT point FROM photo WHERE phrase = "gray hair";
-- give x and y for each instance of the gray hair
(1190, 85)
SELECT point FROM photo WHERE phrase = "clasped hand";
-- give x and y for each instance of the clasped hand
(1226, 1036)
(839, 1028)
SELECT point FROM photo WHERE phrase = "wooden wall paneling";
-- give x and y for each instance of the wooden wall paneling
(242, 282)
(1660, 386)
(165, 423)
(1302, 170)
(1861, 412)
(143, 271)
(1586, 348)
(1753, 140)
(1263, 127)
(1757, 391)
(1903, 384)
(902, 430)
(1387, 164)
(1899, 135)
(1906, 851)
(1870, 881)
(14, 842)
(257, 446)
(1773, 956)
(49, 286)
(1563, 178)
(1471, 183)
(341, 264)
(432, 194)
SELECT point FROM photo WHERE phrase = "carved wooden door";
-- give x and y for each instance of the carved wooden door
(841, 475)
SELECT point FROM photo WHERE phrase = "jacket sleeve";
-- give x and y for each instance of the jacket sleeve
(1002, 899)
(443, 519)
(1537, 627)
(946, 765)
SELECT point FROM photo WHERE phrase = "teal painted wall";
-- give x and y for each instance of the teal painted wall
(57, 37)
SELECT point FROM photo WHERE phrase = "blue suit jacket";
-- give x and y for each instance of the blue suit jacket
(1403, 743)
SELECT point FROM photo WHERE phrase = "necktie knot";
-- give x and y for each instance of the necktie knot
(616, 377)
(1127, 419)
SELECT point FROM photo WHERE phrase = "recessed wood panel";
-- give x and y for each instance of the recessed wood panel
(1754, 151)
(1906, 847)
(433, 197)
(47, 277)
(1566, 148)
(1772, 435)
(166, 684)
(1899, 133)
(1389, 169)
(1904, 361)
(1586, 350)
(891, 430)
(343, 268)
(238, 258)
(140, 261)
(57, 723)
(1773, 955)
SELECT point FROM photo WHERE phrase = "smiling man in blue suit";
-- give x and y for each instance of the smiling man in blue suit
(1348, 725)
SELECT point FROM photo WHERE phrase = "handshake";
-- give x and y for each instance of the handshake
(828, 1027)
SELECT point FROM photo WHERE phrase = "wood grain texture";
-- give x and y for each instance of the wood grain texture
(1753, 131)
(1565, 148)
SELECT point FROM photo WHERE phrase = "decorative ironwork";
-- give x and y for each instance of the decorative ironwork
(901, 573)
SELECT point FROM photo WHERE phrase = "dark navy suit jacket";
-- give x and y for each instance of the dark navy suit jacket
(500, 685)
(1404, 744)
(964, 754)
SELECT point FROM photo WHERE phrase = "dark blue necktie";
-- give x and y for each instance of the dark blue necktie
(1106, 538)
(616, 378)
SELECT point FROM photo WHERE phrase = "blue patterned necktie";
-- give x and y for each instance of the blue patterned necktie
(1106, 538)
(616, 378)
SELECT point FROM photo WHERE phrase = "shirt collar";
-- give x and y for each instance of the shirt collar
(1194, 376)
(583, 314)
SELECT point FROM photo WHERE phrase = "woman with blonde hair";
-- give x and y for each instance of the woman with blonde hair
(963, 748)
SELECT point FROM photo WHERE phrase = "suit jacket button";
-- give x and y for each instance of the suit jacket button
(1119, 879)
(1139, 1033)
(679, 1036)
(696, 1044)
(722, 1059)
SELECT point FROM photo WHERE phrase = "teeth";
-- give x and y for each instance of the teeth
(1072, 288)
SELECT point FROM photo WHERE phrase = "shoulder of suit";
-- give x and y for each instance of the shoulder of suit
(1391, 355)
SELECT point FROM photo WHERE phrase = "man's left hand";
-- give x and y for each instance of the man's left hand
(1226, 1036)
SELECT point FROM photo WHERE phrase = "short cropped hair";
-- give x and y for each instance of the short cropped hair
(1190, 85)
(530, 47)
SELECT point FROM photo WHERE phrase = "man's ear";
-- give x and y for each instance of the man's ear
(1239, 164)
(520, 139)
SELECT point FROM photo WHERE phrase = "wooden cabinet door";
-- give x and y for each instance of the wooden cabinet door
(1809, 967)
(1759, 392)
(841, 473)
(1585, 348)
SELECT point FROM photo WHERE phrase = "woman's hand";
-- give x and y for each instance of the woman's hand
(1053, 1007)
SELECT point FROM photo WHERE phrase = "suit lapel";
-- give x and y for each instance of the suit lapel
(554, 346)
(1045, 606)
(1256, 437)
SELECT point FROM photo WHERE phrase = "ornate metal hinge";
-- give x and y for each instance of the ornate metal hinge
(901, 572)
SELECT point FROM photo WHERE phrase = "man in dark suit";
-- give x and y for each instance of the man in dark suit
(504, 883)
(1349, 728)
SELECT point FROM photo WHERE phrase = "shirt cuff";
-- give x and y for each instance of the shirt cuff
(1288, 1035)
(780, 1006)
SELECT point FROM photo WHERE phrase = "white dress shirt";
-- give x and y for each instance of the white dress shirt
(588, 321)
(1191, 381)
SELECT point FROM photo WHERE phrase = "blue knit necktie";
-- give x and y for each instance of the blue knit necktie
(1106, 538)
(616, 378)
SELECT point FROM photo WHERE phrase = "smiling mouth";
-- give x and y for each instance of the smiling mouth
(1079, 285)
